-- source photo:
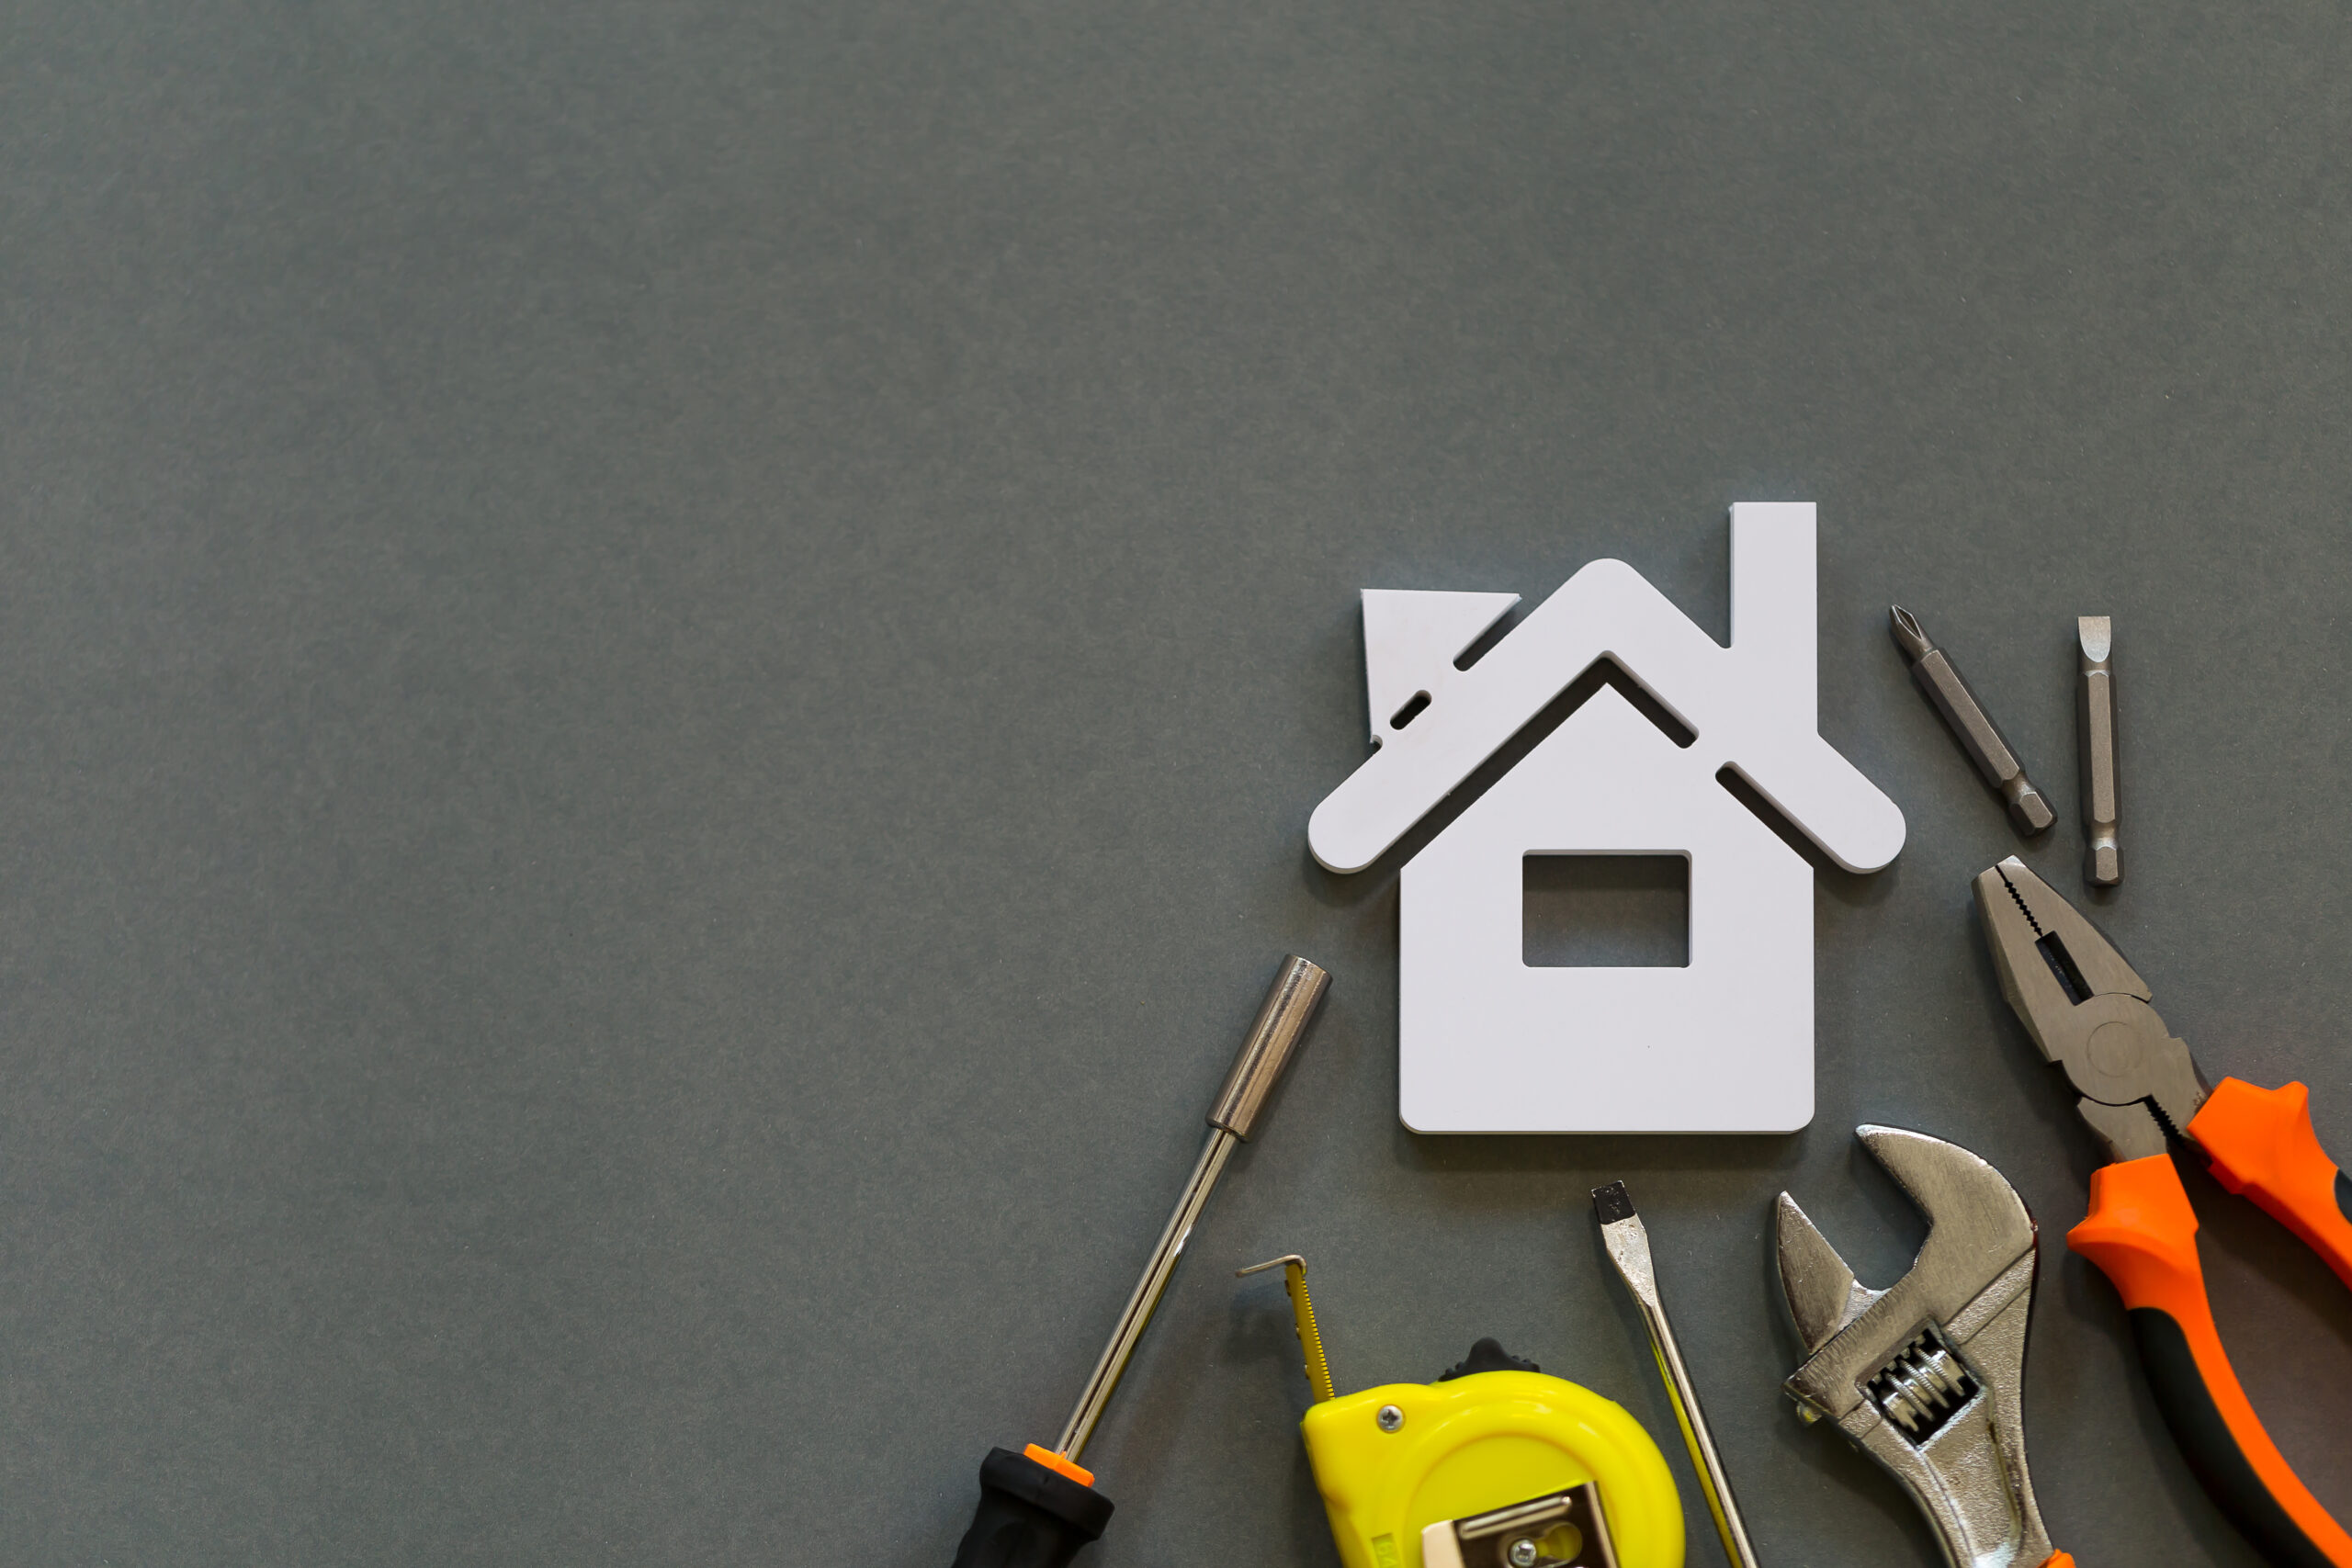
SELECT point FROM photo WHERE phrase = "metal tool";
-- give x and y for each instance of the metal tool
(1038, 1506)
(1302, 1311)
(1628, 1242)
(2091, 1014)
(2095, 710)
(1995, 758)
(1927, 1376)
(1492, 1465)
(1566, 1529)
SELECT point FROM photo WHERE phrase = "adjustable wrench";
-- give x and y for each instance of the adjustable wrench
(1927, 1376)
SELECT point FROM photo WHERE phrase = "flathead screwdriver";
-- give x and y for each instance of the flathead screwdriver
(1628, 1241)
(1039, 1507)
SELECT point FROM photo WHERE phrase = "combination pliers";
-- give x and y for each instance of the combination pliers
(2090, 1013)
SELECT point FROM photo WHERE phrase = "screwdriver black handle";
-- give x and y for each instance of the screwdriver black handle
(1029, 1516)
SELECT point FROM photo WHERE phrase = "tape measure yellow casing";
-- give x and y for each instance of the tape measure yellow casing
(1393, 1461)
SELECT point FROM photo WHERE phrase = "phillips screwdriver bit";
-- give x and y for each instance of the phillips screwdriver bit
(1986, 746)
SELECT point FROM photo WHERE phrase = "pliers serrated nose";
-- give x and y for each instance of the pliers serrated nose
(2091, 1014)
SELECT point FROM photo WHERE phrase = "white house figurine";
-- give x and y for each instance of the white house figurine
(1488, 1044)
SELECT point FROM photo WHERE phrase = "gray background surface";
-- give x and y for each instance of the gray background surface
(662, 668)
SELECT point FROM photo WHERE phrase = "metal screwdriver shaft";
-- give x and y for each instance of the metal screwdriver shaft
(1039, 1508)
(1628, 1241)
(1290, 1005)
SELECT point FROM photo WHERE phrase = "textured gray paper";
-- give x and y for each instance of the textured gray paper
(662, 668)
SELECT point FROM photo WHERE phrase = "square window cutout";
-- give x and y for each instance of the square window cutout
(1605, 912)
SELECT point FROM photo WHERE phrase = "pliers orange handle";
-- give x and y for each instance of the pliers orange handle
(2091, 1014)
(2261, 1145)
(2142, 1235)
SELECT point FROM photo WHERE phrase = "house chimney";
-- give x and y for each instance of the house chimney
(1773, 600)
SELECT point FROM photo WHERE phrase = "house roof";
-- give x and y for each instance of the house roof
(1752, 705)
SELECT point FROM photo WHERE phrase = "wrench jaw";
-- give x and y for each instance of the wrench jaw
(1822, 1295)
(1927, 1376)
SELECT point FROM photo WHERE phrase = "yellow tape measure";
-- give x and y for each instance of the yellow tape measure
(1494, 1465)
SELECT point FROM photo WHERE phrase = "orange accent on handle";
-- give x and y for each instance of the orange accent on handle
(2261, 1144)
(1060, 1462)
(2142, 1235)
(2059, 1559)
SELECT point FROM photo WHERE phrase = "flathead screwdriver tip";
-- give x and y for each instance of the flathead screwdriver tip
(1611, 1204)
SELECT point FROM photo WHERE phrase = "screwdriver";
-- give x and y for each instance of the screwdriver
(1628, 1241)
(1038, 1506)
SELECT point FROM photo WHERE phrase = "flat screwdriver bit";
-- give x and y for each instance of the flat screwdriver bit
(1986, 746)
(2095, 707)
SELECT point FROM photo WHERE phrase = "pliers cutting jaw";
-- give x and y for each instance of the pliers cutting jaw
(2090, 1012)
